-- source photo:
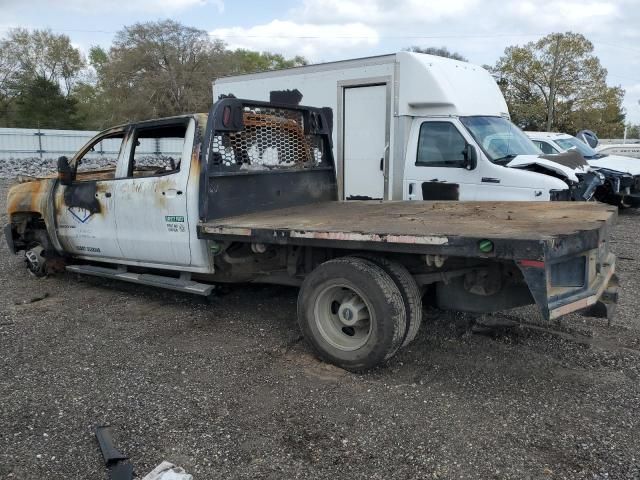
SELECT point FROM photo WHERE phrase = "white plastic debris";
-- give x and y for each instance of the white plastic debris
(168, 471)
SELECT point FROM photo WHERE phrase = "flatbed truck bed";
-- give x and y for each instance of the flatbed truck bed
(526, 230)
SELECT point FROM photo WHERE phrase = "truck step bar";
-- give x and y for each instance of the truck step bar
(182, 284)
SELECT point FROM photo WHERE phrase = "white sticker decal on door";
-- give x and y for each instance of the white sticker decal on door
(80, 214)
(175, 223)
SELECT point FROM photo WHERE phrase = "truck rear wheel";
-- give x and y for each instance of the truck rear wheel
(411, 294)
(351, 312)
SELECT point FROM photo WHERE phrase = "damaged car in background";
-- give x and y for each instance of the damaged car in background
(621, 175)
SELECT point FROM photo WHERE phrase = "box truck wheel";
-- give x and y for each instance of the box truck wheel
(411, 294)
(351, 312)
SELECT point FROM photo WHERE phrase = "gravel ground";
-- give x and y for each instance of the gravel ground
(229, 390)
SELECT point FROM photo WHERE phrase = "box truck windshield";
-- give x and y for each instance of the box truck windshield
(500, 139)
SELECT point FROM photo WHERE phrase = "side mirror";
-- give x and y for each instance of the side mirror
(588, 137)
(65, 173)
(470, 157)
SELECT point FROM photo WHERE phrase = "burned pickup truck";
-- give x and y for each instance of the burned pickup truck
(248, 193)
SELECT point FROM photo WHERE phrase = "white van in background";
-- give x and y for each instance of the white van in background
(414, 126)
(623, 149)
(622, 174)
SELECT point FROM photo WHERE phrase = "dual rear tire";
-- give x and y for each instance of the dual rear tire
(357, 312)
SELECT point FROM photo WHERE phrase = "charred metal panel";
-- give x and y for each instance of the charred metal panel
(440, 191)
(286, 97)
(82, 195)
(230, 195)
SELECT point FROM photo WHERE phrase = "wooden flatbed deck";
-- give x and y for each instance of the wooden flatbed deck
(418, 223)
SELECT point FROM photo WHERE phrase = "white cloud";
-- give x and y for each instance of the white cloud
(382, 12)
(585, 15)
(291, 38)
(147, 6)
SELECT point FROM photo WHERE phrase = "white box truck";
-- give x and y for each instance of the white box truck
(413, 126)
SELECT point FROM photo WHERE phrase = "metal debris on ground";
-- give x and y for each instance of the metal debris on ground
(116, 462)
(168, 471)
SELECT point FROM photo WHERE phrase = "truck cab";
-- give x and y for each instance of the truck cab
(102, 211)
(480, 158)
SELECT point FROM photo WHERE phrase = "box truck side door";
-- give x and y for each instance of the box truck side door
(436, 166)
(151, 212)
(365, 141)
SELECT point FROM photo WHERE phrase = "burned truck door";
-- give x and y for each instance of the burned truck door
(84, 210)
(151, 211)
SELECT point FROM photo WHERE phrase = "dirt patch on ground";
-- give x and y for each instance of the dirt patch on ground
(230, 390)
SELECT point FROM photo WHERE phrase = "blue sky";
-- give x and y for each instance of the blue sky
(325, 30)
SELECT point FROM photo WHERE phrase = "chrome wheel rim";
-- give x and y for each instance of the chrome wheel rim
(343, 317)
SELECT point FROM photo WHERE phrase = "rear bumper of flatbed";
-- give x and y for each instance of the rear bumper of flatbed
(602, 294)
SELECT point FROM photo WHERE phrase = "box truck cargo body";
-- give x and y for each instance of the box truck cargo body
(418, 127)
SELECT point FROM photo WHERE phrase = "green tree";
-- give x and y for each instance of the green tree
(9, 80)
(165, 68)
(633, 131)
(245, 61)
(438, 51)
(158, 69)
(43, 54)
(556, 83)
(42, 104)
(27, 58)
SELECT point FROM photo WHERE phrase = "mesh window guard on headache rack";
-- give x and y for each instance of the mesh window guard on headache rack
(272, 139)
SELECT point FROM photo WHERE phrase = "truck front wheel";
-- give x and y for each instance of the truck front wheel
(352, 313)
(36, 262)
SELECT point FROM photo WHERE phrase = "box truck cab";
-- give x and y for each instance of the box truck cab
(419, 127)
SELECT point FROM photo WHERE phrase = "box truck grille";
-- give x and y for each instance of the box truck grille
(272, 138)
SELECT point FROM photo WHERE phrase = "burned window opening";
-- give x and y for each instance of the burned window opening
(157, 150)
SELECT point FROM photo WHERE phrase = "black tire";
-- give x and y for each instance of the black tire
(411, 294)
(374, 296)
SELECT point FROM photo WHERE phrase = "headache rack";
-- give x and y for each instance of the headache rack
(259, 156)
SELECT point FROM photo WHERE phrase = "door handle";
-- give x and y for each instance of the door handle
(170, 193)
(382, 164)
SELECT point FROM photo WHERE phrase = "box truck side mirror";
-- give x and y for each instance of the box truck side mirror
(470, 157)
